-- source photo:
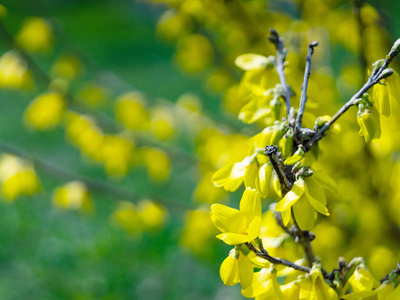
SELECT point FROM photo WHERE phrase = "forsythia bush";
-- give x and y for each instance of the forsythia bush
(318, 210)
(283, 159)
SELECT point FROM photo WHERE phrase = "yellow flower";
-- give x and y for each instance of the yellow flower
(238, 226)
(14, 72)
(73, 195)
(256, 109)
(264, 285)
(386, 94)
(306, 197)
(387, 291)
(370, 127)
(35, 35)
(362, 283)
(236, 268)
(296, 157)
(252, 61)
(17, 177)
(263, 181)
(314, 287)
(231, 176)
(45, 111)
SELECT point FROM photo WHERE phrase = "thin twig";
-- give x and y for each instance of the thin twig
(271, 152)
(277, 261)
(303, 97)
(280, 67)
(93, 185)
(394, 272)
(304, 238)
(9, 40)
(372, 80)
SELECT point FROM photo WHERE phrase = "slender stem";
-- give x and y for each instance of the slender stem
(280, 67)
(394, 272)
(96, 186)
(277, 261)
(372, 80)
(300, 236)
(271, 152)
(10, 42)
(303, 98)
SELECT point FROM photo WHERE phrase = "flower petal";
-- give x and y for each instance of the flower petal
(225, 218)
(251, 61)
(318, 206)
(326, 181)
(315, 189)
(286, 215)
(245, 271)
(393, 83)
(254, 228)
(380, 95)
(233, 238)
(261, 284)
(250, 176)
(304, 213)
(250, 204)
(292, 196)
(229, 271)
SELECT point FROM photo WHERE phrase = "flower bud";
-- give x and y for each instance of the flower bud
(263, 182)
(277, 134)
(296, 157)
(396, 46)
(277, 186)
(386, 73)
(275, 106)
(287, 143)
(368, 120)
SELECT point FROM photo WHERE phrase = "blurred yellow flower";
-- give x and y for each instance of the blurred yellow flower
(73, 195)
(195, 53)
(67, 66)
(35, 35)
(130, 110)
(45, 111)
(93, 94)
(153, 214)
(231, 176)
(18, 178)
(14, 72)
(370, 127)
(157, 163)
(116, 154)
(387, 94)
(198, 231)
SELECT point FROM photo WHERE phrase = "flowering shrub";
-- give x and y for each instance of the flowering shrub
(289, 151)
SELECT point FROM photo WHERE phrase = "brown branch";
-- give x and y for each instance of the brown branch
(280, 67)
(277, 261)
(271, 152)
(94, 185)
(394, 272)
(303, 97)
(372, 80)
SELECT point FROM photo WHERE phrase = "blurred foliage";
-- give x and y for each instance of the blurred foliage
(115, 115)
